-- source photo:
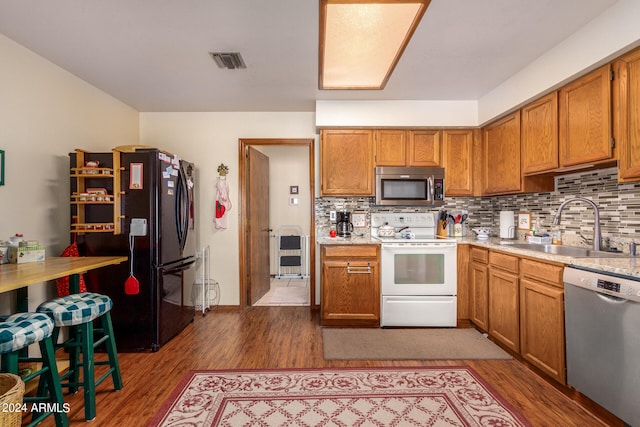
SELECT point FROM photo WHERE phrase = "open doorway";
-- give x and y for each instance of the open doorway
(256, 233)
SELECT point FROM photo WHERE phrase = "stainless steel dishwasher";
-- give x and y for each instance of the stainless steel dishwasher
(602, 326)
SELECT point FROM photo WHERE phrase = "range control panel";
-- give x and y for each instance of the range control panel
(409, 219)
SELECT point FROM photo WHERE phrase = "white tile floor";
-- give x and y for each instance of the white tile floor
(286, 292)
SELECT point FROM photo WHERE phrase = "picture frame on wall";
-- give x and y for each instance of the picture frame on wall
(1, 167)
(524, 220)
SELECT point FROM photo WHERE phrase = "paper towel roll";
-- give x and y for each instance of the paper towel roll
(507, 224)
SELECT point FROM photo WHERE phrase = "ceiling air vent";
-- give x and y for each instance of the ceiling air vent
(229, 60)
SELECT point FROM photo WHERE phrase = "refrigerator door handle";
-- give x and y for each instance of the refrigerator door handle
(182, 209)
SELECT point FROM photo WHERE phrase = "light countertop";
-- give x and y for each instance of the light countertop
(625, 265)
(353, 240)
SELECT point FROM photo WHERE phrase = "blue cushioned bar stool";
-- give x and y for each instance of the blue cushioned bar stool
(17, 332)
(79, 312)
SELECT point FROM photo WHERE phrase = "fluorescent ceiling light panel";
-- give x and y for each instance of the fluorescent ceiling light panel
(361, 41)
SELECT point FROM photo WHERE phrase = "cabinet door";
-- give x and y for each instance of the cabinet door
(542, 327)
(502, 155)
(504, 322)
(346, 163)
(457, 160)
(540, 135)
(479, 283)
(424, 147)
(463, 270)
(585, 119)
(391, 147)
(350, 292)
(627, 116)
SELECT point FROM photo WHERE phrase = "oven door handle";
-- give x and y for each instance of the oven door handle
(358, 269)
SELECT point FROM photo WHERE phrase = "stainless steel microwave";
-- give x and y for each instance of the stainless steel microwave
(409, 186)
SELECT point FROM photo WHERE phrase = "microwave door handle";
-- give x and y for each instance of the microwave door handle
(432, 191)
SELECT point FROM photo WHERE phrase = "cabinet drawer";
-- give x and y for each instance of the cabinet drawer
(504, 261)
(542, 271)
(351, 251)
(480, 255)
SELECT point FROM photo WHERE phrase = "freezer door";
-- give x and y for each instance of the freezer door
(174, 312)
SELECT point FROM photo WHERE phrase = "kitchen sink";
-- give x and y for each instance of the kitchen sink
(571, 251)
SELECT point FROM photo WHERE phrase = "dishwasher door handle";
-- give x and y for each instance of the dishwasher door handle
(611, 299)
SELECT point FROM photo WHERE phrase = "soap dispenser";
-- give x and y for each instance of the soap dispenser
(556, 235)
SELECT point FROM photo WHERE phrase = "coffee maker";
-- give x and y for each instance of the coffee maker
(344, 226)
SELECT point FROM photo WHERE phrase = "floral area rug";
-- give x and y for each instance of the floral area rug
(431, 396)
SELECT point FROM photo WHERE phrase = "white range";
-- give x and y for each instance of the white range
(418, 271)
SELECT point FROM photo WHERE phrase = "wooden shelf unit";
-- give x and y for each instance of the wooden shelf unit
(111, 177)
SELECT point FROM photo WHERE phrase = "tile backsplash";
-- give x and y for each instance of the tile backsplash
(619, 205)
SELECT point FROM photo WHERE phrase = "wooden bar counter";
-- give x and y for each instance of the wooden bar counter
(16, 276)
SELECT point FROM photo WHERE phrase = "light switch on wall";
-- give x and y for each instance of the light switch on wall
(293, 201)
(359, 219)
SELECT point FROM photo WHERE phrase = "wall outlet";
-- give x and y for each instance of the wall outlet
(332, 215)
(358, 219)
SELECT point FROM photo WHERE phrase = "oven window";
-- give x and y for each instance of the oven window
(410, 189)
(418, 269)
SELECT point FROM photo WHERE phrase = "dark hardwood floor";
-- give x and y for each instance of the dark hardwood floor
(288, 337)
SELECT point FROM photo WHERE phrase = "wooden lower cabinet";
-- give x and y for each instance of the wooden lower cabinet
(350, 285)
(463, 287)
(479, 288)
(519, 302)
(504, 322)
(542, 317)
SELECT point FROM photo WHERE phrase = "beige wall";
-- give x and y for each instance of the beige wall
(46, 112)
(209, 139)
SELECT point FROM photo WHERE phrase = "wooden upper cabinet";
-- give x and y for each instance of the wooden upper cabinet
(457, 160)
(585, 119)
(502, 155)
(346, 163)
(401, 147)
(391, 147)
(424, 148)
(540, 135)
(627, 115)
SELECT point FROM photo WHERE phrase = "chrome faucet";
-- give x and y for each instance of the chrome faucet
(596, 228)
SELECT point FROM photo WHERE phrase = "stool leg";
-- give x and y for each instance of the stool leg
(88, 371)
(10, 362)
(74, 354)
(107, 326)
(53, 381)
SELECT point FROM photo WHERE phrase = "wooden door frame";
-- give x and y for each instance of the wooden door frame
(243, 145)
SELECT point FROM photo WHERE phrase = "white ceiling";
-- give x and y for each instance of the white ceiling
(153, 54)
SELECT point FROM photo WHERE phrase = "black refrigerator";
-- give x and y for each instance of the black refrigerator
(156, 187)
